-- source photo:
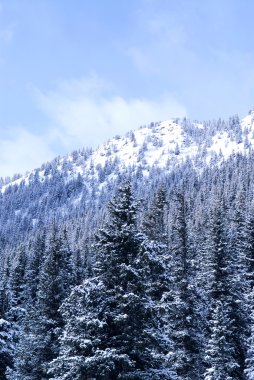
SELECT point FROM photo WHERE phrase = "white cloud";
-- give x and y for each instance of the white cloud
(82, 113)
(23, 152)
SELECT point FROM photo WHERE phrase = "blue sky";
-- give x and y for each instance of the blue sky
(75, 73)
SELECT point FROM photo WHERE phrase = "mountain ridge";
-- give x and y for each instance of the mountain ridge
(77, 187)
(161, 145)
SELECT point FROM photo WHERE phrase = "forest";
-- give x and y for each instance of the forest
(150, 278)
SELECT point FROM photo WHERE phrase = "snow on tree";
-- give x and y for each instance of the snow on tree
(109, 332)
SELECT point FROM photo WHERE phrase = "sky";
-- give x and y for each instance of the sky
(75, 73)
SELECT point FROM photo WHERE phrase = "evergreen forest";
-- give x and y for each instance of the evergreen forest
(120, 274)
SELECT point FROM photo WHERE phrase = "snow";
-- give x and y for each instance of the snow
(161, 145)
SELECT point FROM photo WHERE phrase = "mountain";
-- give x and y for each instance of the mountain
(133, 260)
(82, 183)
(162, 145)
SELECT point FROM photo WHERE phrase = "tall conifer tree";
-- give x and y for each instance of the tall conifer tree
(110, 322)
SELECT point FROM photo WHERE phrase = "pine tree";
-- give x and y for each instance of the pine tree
(223, 356)
(155, 221)
(249, 362)
(249, 251)
(15, 303)
(6, 347)
(109, 332)
(180, 299)
(16, 288)
(220, 351)
(41, 328)
(34, 262)
(239, 283)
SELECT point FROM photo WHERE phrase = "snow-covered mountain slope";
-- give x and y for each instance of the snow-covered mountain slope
(78, 186)
(163, 145)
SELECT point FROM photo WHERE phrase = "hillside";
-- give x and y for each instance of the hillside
(80, 183)
(134, 260)
(163, 145)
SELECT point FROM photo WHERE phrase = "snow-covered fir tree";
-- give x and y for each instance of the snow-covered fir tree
(110, 322)
(183, 357)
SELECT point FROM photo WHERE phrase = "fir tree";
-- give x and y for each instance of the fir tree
(220, 351)
(184, 353)
(42, 326)
(223, 356)
(109, 332)
(6, 347)
(249, 362)
(155, 221)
